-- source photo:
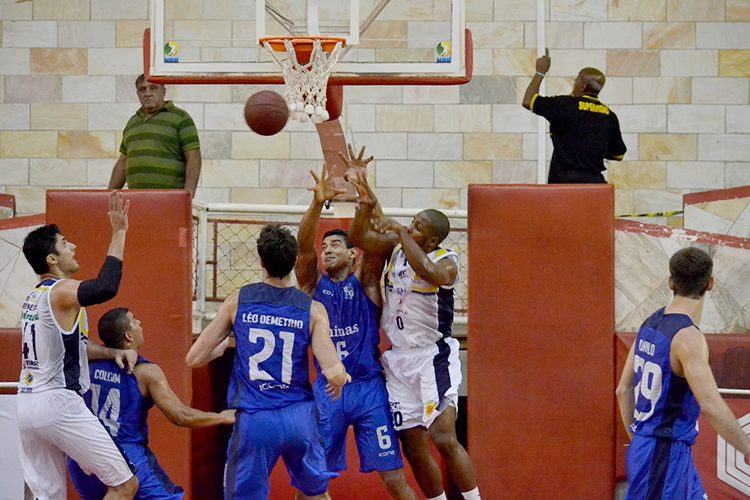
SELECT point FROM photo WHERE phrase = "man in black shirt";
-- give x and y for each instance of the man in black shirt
(584, 131)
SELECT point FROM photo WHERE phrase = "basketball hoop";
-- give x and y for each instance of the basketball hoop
(306, 68)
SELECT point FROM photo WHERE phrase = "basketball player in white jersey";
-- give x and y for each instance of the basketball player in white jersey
(422, 368)
(53, 419)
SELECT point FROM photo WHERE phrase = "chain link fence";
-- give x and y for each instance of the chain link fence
(231, 258)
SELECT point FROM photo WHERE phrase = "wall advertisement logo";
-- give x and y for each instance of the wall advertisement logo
(730, 464)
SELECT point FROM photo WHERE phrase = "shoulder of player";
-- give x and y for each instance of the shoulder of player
(148, 372)
(64, 293)
(444, 255)
(317, 308)
(688, 340)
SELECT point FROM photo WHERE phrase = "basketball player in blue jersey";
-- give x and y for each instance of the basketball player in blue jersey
(122, 401)
(422, 368)
(274, 324)
(53, 420)
(351, 297)
(666, 383)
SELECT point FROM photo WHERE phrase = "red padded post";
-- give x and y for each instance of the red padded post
(156, 286)
(541, 354)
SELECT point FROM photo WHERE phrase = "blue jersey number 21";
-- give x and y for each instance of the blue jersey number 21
(269, 344)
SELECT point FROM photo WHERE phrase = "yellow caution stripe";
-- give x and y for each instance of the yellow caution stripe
(653, 214)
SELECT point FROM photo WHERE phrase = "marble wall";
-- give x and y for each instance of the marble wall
(642, 253)
(16, 276)
(723, 211)
(677, 77)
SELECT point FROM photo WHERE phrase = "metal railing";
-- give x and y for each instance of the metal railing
(225, 255)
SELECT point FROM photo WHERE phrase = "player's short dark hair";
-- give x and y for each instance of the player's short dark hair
(113, 326)
(38, 244)
(339, 232)
(277, 248)
(440, 226)
(690, 270)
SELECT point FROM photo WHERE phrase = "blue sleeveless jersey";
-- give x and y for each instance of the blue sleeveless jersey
(272, 330)
(665, 407)
(355, 325)
(115, 399)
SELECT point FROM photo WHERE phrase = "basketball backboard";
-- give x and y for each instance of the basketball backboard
(388, 42)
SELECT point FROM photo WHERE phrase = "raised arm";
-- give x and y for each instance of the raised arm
(209, 344)
(70, 295)
(690, 351)
(625, 394)
(542, 66)
(440, 273)
(324, 352)
(154, 383)
(306, 269)
(361, 232)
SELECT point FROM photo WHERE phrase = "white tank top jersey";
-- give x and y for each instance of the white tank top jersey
(52, 358)
(416, 313)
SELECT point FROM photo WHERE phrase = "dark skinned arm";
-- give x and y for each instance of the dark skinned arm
(361, 232)
(156, 386)
(542, 66)
(441, 273)
(368, 273)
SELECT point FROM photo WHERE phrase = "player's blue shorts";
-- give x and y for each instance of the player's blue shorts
(153, 482)
(364, 405)
(260, 438)
(661, 469)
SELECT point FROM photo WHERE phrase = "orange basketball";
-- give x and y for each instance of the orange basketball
(266, 112)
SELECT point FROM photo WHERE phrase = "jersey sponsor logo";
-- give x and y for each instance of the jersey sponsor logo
(430, 407)
(28, 379)
(272, 385)
(593, 107)
(344, 331)
(348, 291)
(327, 292)
(730, 465)
(269, 319)
(107, 376)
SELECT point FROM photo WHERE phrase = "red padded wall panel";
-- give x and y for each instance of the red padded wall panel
(156, 286)
(541, 354)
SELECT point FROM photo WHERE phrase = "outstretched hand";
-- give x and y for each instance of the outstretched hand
(323, 189)
(365, 196)
(543, 63)
(354, 163)
(385, 225)
(118, 211)
(126, 359)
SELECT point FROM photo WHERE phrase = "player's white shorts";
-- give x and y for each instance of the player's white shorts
(422, 382)
(56, 423)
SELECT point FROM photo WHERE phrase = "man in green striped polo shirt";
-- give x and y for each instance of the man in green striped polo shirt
(160, 148)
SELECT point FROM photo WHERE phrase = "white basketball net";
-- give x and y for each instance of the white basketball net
(305, 85)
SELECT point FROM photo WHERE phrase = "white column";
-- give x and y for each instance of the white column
(313, 19)
(541, 124)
